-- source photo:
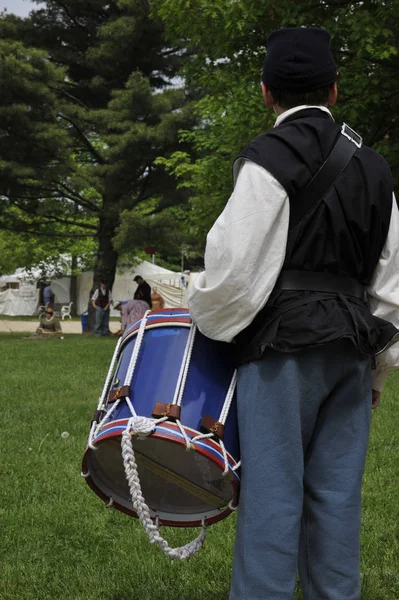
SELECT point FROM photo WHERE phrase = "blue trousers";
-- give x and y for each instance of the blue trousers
(304, 421)
(102, 322)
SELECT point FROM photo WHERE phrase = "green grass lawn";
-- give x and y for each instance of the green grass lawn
(36, 318)
(58, 541)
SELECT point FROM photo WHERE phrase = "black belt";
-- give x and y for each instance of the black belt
(312, 281)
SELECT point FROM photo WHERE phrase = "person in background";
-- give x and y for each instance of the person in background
(157, 300)
(49, 325)
(131, 311)
(143, 291)
(48, 296)
(101, 301)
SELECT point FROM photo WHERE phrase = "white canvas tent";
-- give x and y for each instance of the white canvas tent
(19, 294)
(170, 285)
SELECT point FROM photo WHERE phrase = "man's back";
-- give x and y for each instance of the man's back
(347, 232)
(143, 292)
(343, 236)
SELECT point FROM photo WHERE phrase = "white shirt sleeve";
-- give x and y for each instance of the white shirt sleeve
(384, 296)
(245, 251)
(95, 296)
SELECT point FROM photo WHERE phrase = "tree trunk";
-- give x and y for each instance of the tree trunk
(106, 261)
(73, 286)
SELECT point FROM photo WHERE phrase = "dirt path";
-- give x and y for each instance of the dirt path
(11, 326)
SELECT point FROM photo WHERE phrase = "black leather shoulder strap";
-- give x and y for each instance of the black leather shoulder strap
(305, 202)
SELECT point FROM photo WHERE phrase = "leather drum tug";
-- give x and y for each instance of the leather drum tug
(163, 442)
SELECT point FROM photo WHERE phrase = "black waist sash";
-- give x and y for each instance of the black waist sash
(313, 281)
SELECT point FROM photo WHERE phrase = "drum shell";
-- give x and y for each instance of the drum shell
(209, 376)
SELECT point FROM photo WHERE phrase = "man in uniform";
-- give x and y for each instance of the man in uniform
(48, 295)
(101, 301)
(143, 290)
(313, 226)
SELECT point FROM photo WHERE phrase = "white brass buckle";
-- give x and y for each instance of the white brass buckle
(352, 136)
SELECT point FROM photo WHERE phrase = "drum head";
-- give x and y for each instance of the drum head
(181, 487)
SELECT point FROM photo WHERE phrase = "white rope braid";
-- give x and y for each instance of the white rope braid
(187, 440)
(131, 408)
(134, 358)
(136, 349)
(229, 398)
(96, 427)
(231, 505)
(182, 378)
(91, 436)
(181, 381)
(101, 400)
(225, 458)
(108, 414)
(110, 374)
(143, 426)
(222, 419)
(202, 436)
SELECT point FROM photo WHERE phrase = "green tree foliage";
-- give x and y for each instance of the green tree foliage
(34, 157)
(91, 101)
(51, 256)
(227, 42)
(166, 233)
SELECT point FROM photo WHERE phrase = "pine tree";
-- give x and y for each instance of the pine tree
(91, 102)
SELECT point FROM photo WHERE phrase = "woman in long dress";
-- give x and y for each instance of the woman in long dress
(49, 325)
(131, 311)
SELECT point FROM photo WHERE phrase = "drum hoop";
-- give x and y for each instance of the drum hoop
(153, 326)
(164, 519)
(113, 429)
(181, 315)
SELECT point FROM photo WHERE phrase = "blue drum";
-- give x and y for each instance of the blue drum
(172, 391)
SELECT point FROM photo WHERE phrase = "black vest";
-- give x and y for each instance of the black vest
(344, 236)
(102, 299)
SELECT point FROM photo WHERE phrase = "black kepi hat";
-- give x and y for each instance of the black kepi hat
(299, 60)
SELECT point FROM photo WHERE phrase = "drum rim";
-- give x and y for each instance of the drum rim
(155, 325)
(201, 448)
(162, 320)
